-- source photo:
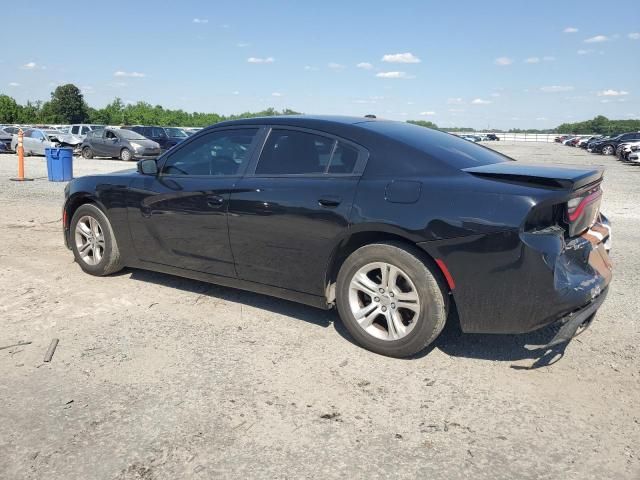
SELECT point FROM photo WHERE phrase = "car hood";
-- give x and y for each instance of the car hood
(146, 143)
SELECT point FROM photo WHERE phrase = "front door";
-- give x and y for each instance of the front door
(286, 218)
(179, 218)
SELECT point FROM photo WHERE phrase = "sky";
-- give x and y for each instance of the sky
(473, 64)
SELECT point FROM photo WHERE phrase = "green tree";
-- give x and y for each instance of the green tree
(423, 123)
(67, 105)
(9, 110)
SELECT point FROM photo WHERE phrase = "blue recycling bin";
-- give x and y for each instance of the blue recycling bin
(59, 164)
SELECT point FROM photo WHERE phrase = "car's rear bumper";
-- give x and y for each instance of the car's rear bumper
(516, 282)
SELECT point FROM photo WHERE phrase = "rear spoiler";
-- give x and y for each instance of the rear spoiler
(566, 178)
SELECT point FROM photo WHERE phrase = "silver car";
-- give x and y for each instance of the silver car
(35, 140)
(118, 143)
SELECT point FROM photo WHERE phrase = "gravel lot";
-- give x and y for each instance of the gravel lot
(161, 377)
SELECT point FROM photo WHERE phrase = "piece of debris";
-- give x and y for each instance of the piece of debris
(51, 350)
(398, 436)
(344, 363)
(19, 344)
(335, 416)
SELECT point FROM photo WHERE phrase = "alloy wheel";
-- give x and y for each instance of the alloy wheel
(384, 301)
(90, 241)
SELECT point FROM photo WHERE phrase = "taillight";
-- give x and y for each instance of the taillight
(583, 210)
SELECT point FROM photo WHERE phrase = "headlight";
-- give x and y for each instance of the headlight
(136, 146)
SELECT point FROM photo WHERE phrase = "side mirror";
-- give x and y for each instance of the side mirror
(148, 167)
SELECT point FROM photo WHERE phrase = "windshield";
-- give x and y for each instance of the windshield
(175, 132)
(130, 135)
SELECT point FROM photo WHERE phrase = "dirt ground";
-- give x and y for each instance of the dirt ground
(158, 377)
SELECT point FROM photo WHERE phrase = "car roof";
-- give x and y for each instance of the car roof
(299, 120)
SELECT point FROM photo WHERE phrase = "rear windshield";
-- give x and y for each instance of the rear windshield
(446, 148)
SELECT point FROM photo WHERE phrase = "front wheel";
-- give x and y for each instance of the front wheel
(607, 150)
(93, 243)
(389, 299)
(125, 155)
(87, 153)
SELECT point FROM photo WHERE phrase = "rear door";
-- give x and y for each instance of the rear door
(287, 214)
(179, 218)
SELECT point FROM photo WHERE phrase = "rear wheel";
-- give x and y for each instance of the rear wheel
(93, 242)
(125, 154)
(87, 153)
(389, 299)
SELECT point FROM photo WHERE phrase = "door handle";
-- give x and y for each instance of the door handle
(215, 201)
(329, 201)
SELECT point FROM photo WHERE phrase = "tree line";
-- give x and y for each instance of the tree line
(67, 105)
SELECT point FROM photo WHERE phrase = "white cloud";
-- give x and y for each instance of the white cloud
(456, 110)
(14, 84)
(120, 73)
(597, 39)
(242, 44)
(235, 92)
(503, 61)
(570, 30)
(532, 60)
(549, 58)
(612, 93)
(87, 89)
(261, 60)
(634, 36)
(32, 66)
(455, 101)
(335, 66)
(584, 52)
(495, 94)
(393, 75)
(200, 20)
(427, 114)
(276, 94)
(541, 119)
(407, 57)
(309, 68)
(365, 65)
(556, 88)
(480, 101)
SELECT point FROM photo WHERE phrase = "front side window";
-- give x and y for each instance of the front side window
(292, 152)
(157, 132)
(85, 130)
(219, 153)
(109, 135)
(37, 134)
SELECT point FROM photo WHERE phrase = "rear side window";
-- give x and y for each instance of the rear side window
(292, 152)
(75, 129)
(85, 130)
(442, 147)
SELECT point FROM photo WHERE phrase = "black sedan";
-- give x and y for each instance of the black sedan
(608, 146)
(394, 224)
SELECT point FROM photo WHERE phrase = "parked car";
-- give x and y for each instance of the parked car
(624, 149)
(6, 135)
(118, 143)
(608, 146)
(158, 135)
(585, 141)
(394, 224)
(80, 130)
(36, 140)
(492, 137)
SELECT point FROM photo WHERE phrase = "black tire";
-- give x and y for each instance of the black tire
(126, 155)
(87, 153)
(433, 299)
(110, 261)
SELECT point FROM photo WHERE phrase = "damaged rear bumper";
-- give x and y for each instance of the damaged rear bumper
(516, 282)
